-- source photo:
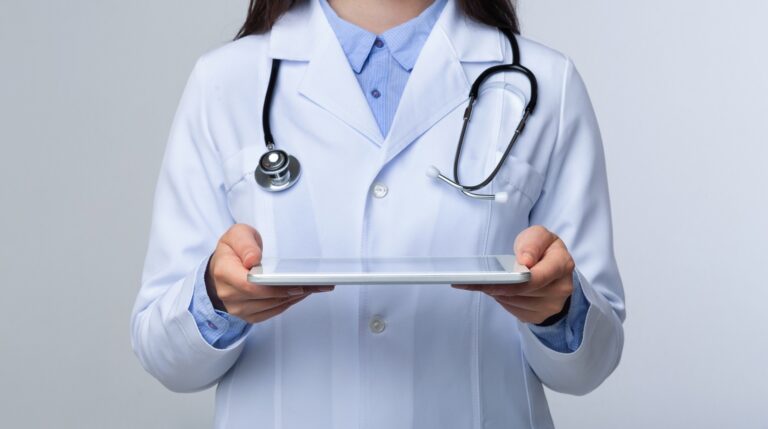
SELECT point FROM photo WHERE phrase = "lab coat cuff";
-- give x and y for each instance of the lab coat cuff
(566, 334)
(193, 295)
(218, 328)
(575, 372)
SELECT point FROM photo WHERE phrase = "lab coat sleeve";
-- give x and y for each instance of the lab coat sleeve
(190, 214)
(575, 206)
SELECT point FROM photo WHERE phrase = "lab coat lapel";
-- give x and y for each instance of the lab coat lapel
(436, 86)
(438, 83)
(330, 83)
(303, 34)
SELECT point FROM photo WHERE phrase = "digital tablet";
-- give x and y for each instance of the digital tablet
(498, 269)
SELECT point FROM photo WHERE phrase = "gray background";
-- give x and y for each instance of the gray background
(87, 94)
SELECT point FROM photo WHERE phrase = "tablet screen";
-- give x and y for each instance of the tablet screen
(471, 264)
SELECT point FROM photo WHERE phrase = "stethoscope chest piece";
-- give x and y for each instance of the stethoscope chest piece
(277, 171)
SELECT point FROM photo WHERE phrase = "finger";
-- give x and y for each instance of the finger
(253, 306)
(228, 270)
(537, 286)
(545, 305)
(493, 290)
(246, 242)
(525, 316)
(531, 288)
(562, 287)
(262, 291)
(524, 302)
(278, 291)
(256, 291)
(555, 265)
(462, 286)
(319, 289)
(268, 314)
(531, 244)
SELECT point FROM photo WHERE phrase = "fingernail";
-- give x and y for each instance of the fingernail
(325, 288)
(296, 291)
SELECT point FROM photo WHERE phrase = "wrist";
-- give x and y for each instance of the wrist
(210, 288)
(551, 320)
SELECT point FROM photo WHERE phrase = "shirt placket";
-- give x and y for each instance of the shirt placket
(376, 83)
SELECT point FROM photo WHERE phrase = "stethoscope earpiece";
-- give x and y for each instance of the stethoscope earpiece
(498, 197)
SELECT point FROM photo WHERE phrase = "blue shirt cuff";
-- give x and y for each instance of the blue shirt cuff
(218, 328)
(565, 336)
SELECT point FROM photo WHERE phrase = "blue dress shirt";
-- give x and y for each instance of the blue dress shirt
(382, 65)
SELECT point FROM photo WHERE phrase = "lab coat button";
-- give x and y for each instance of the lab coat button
(377, 325)
(380, 190)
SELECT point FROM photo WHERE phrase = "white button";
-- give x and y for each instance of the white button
(380, 190)
(377, 325)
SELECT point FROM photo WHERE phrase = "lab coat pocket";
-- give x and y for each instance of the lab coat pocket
(238, 175)
(285, 219)
(523, 185)
(518, 176)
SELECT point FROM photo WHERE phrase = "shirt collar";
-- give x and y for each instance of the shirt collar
(404, 41)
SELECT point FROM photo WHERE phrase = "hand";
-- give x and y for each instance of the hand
(551, 281)
(238, 250)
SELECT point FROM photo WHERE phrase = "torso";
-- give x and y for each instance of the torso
(446, 358)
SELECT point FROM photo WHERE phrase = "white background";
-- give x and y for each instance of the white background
(87, 94)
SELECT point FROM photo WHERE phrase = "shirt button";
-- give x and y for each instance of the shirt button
(380, 190)
(377, 325)
(375, 93)
(378, 43)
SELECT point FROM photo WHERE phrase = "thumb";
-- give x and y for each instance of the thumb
(531, 244)
(246, 242)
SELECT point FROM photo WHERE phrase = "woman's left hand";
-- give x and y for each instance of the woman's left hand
(551, 281)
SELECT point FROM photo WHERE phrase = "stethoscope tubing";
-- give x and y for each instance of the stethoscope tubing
(266, 111)
(474, 92)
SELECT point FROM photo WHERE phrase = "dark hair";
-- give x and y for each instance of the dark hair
(262, 14)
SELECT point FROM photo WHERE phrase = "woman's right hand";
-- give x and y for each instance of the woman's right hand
(238, 250)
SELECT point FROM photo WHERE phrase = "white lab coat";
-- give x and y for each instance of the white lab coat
(447, 358)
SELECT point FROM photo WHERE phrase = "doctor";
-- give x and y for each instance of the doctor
(369, 94)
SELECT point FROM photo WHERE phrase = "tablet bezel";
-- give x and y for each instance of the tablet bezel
(513, 273)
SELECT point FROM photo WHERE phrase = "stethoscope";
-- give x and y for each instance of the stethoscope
(278, 171)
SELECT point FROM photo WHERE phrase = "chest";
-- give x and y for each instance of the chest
(361, 197)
